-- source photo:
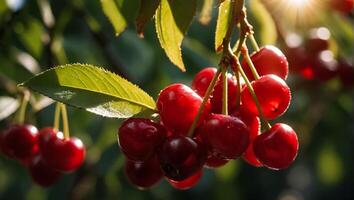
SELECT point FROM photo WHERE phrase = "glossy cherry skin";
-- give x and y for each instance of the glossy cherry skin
(201, 82)
(268, 60)
(278, 147)
(343, 6)
(226, 137)
(20, 142)
(143, 175)
(178, 105)
(63, 154)
(273, 95)
(213, 161)
(253, 124)
(181, 157)
(139, 138)
(186, 183)
(45, 134)
(42, 174)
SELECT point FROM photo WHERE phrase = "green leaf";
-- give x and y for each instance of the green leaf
(114, 15)
(205, 13)
(93, 89)
(266, 31)
(146, 11)
(8, 105)
(221, 24)
(172, 20)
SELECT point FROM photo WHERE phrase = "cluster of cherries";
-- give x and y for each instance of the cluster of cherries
(154, 150)
(315, 61)
(46, 153)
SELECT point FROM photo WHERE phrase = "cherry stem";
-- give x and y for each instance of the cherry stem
(205, 99)
(224, 90)
(64, 115)
(249, 62)
(20, 118)
(254, 42)
(239, 88)
(57, 116)
(250, 88)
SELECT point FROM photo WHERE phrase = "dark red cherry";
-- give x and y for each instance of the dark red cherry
(343, 6)
(143, 175)
(42, 174)
(226, 136)
(254, 126)
(181, 157)
(178, 106)
(45, 134)
(325, 67)
(297, 58)
(268, 60)
(213, 161)
(318, 40)
(63, 154)
(277, 148)
(186, 183)
(273, 95)
(138, 138)
(346, 73)
(20, 142)
(201, 82)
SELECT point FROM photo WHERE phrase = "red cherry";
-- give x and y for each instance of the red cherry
(45, 134)
(20, 142)
(254, 126)
(346, 73)
(178, 106)
(277, 148)
(63, 154)
(201, 82)
(297, 58)
(268, 60)
(181, 157)
(144, 175)
(273, 95)
(226, 136)
(318, 40)
(42, 174)
(186, 183)
(325, 67)
(343, 6)
(213, 161)
(138, 138)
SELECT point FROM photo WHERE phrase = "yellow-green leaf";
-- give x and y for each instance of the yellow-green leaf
(93, 89)
(114, 15)
(172, 20)
(221, 24)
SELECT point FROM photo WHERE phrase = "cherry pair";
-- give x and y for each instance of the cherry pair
(46, 153)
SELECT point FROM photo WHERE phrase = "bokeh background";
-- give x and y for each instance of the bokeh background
(38, 34)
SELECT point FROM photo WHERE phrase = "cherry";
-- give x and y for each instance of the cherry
(63, 154)
(318, 40)
(20, 142)
(226, 136)
(253, 124)
(201, 82)
(273, 95)
(144, 175)
(325, 67)
(178, 106)
(41, 173)
(343, 6)
(276, 148)
(181, 157)
(138, 138)
(44, 135)
(213, 161)
(268, 60)
(186, 183)
(346, 73)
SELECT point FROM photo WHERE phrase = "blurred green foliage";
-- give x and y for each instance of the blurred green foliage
(322, 114)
